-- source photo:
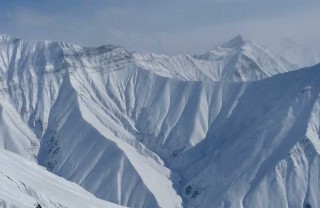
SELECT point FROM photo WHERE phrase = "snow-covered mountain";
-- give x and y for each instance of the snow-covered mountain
(146, 130)
(236, 60)
(43, 82)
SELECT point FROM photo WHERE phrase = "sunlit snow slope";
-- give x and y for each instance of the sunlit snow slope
(146, 130)
(24, 184)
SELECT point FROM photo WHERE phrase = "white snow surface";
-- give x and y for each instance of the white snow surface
(24, 184)
(235, 127)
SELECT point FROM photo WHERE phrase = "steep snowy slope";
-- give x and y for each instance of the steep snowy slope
(264, 152)
(82, 148)
(177, 120)
(44, 94)
(24, 184)
(158, 131)
(222, 138)
(15, 135)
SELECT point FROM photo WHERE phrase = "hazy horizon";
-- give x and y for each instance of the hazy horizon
(170, 27)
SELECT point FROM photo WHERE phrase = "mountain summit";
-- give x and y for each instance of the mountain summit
(235, 42)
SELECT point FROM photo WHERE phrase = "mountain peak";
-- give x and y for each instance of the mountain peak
(235, 42)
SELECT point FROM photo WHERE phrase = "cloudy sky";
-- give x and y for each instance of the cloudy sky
(165, 26)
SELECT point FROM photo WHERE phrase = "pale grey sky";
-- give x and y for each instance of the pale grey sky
(163, 26)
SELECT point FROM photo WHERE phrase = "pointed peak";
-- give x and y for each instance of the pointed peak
(235, 42)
